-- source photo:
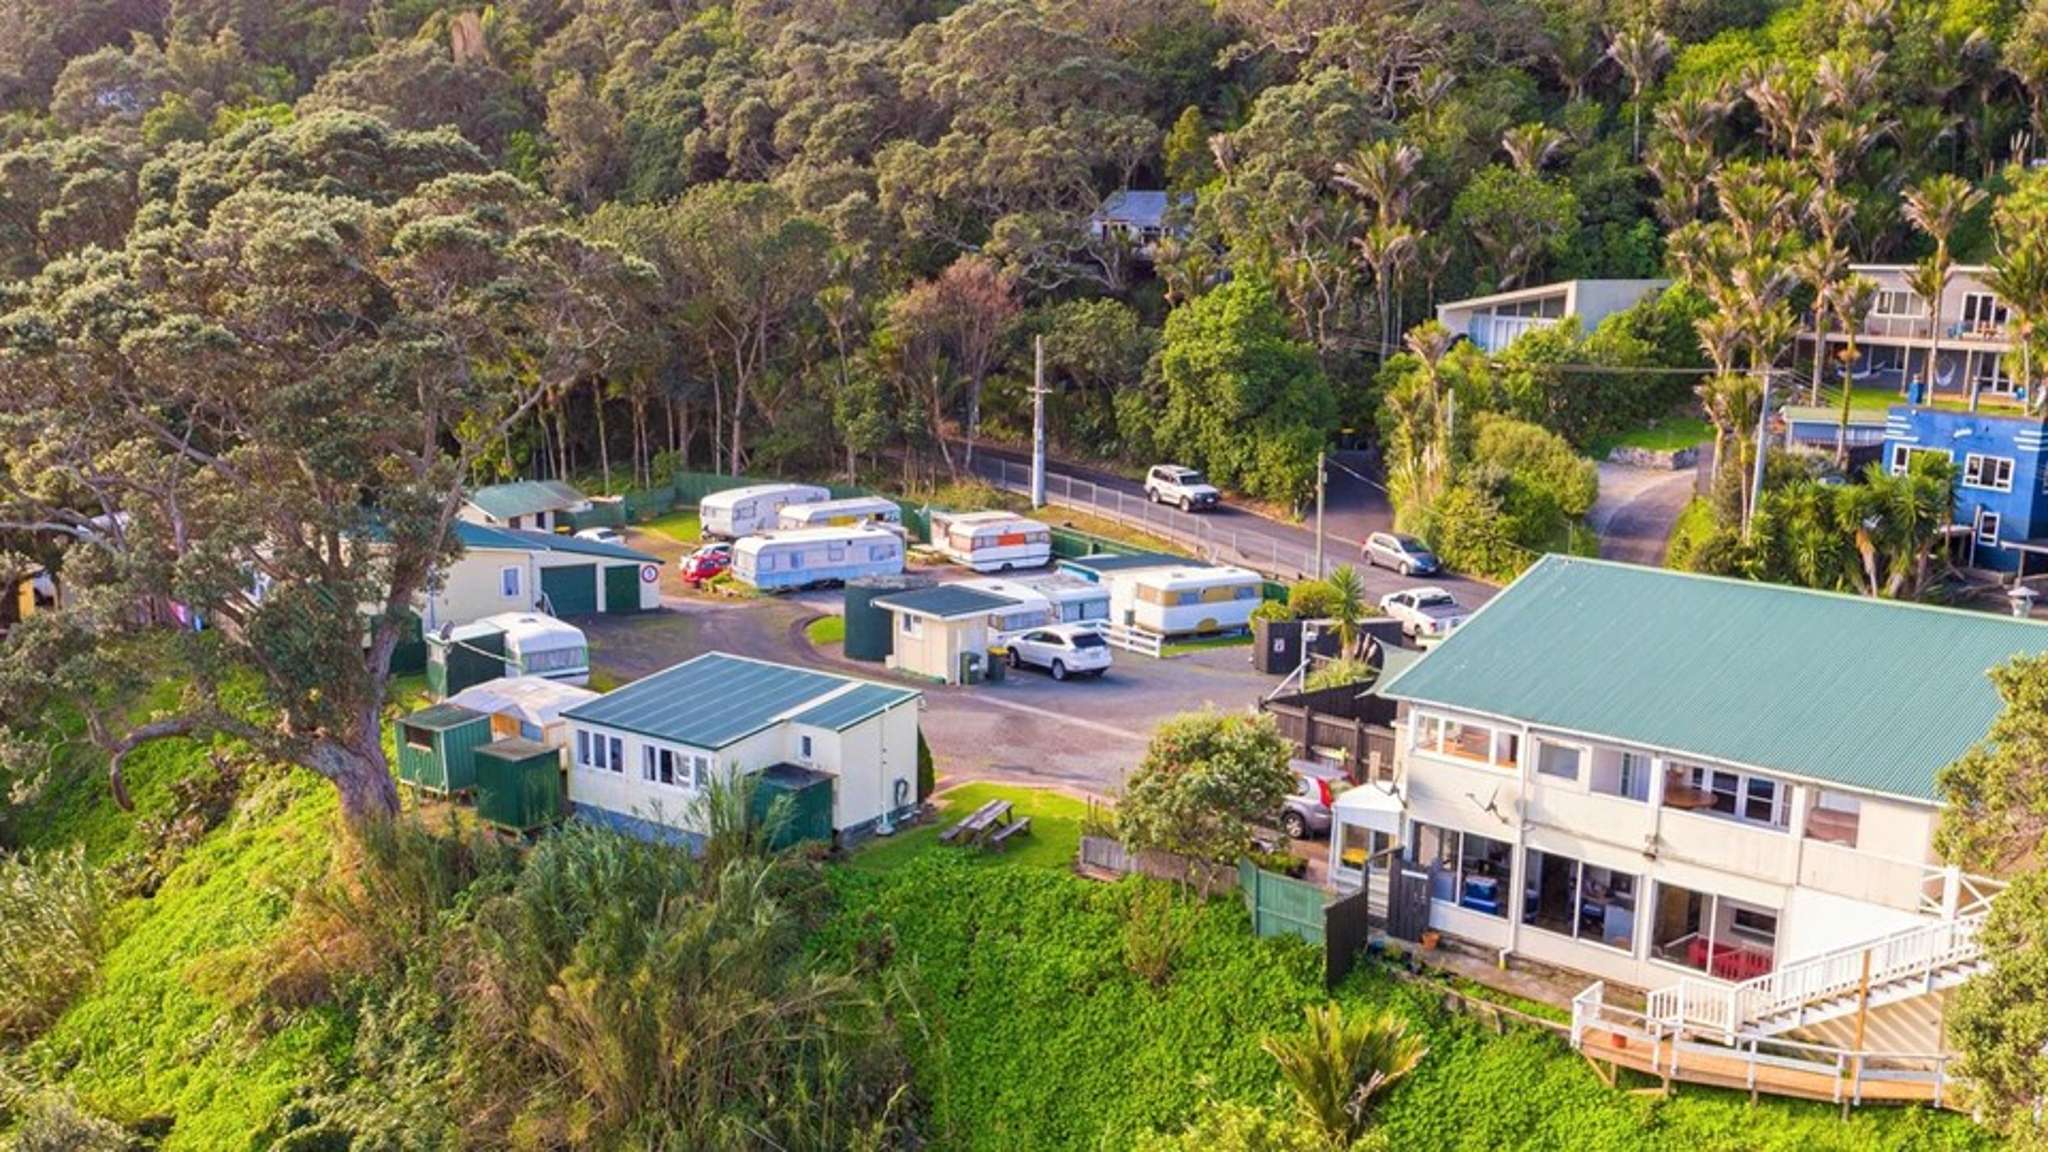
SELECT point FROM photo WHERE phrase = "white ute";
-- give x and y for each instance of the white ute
(1185, 487)
(1427, 613)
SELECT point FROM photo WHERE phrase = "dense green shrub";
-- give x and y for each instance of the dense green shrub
(53, 924)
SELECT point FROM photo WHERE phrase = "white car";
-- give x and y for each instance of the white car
(1063, 650)
(1185, 487)
(602, 535)
(1427, 613)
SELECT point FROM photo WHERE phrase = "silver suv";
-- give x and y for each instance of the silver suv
(1307, 812)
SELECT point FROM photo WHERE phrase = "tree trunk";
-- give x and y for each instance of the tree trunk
(360, 774)
(1820, 347)
(604, 449)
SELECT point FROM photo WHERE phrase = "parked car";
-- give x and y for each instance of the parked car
(1425, 613)
(1173, 484)
(1063, 650)
(602, 535)
(1307, 812)
(706, 562)
(1404, 554)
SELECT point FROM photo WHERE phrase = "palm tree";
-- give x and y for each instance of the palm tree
(1347, 606)
(1849, 305)
(1789, 104)
(1532, 146)
(2019, 276)
(1823, 266)
(1342, 1062)
(1383, 175)
(1641, 51)
(1936, 207)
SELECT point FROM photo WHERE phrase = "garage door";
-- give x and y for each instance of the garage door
(621, 589)
(571, 589)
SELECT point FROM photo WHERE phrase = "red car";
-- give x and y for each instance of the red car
(706, 562)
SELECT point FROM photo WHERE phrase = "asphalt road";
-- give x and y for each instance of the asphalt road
(1354, 505)
(1637, 509)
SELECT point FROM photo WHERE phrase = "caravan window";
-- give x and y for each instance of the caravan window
(835, 553)
(878, 552)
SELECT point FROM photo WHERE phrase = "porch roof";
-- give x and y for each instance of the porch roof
(1874, 695)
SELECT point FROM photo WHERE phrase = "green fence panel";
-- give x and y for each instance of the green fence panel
(692, 487)
(1281, 905)
(1069, 543)
(647, 503)
(917, 522)
(1273, 590)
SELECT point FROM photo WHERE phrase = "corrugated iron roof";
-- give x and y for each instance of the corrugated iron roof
(945, 601)
(714, 700)
(442, 717)
(1871, 694)
(557, 542)
(524, 497)
(851, 707)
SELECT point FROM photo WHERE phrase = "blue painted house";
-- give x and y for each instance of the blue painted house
(2001, 469)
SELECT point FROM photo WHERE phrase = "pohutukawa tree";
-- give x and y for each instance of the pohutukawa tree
(258, 414)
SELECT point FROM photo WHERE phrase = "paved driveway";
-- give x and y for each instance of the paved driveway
(1083, 734)
(1637, 509)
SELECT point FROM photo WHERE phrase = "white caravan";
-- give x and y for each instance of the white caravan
(991, 541)
(738, 512)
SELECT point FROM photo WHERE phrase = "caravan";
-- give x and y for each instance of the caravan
(877, 510)
(808, 557)
(1182, 600)
(1043, 600)
(537, 645)
(738, 512)
(991, 541)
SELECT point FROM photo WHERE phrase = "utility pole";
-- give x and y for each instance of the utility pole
(1322, 476)
(1038, 422)
(1763, 441)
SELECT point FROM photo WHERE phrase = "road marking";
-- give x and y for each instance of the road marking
(1046, 714)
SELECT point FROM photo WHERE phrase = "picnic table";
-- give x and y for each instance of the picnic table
(990, 826)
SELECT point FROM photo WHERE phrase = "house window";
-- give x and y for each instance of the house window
(583, 748)
(1583, 901)
(1902, 456)
(1835, 817)
(1987, 529)
(1754, 923)
(1465, 869)
(911, 625)
(1729, 794)
(804, 747)
(508, 583)
(1480, 743)
(1620, 773)
(1897, 303)
(700, 772)
(1558, 761)
(1993, 472)
(1982, 314)
(618, 758)
(665, 767)
(1722, 937)
(647, 762)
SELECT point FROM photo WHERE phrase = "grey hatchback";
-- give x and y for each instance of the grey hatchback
(1307, 812)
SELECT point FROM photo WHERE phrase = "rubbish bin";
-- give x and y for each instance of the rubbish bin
(998, 664)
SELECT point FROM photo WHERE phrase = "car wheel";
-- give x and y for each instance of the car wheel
(1187, 505)
(1295, 827)
(1059, 670)
(1407, 569)
(1016, 661)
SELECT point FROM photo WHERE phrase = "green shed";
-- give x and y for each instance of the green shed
(437, 748)
(870, 631)
(464, 657)
(518, 784)
(810, 803)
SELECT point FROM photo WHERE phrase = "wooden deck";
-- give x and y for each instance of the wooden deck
(1613, 1038)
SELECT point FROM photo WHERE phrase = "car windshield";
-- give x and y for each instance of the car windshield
(1439, 600)
(1410, 544)
(1193, 477)
(1088, 640)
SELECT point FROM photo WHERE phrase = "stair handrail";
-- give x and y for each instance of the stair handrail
(1909, 952)
(1699, 1003)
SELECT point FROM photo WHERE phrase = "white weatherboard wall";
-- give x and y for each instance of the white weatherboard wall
(473, 584)
(1816, 922)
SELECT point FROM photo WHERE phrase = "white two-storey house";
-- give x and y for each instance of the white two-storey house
(1667, 781)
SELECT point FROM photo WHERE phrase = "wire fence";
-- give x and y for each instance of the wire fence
(1199, 535)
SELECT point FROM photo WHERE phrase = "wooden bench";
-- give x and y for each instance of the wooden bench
(977, 822)
(1016, 827)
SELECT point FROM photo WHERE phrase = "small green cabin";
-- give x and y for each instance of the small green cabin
(810, 803)
(437, 748)
(464, 657)
(518, 784)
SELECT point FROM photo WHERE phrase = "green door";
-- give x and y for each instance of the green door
(571, 589)
(621, 589)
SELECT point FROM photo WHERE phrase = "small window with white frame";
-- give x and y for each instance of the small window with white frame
(1902, 456)
(1989, 472)
(1465, 740)
(1559, 761)
(1987, 529)
(508, 582)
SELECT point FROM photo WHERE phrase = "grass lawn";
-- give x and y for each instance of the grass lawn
(679, 525)
(1052, 842)
(1204, 643)
(1666, 435)
(826, 630)
(1694, 525)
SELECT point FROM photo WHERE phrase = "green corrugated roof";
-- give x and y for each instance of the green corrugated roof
(711, 701)
(1872, 694)
(524, 498)
(849, 708)
(945, 601)
(442, 717)
(558, 542)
